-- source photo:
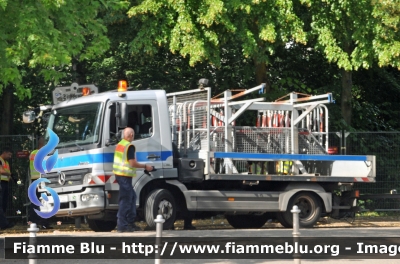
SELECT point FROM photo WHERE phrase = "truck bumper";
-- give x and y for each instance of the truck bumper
(90, 201)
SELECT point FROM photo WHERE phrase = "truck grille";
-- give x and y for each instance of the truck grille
(72, 178)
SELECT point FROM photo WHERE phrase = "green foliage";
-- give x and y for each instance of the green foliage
(387, 40)
(375, 102)
(354, 34)
(161, 70)
(48, 34)
(222, 40)
(199, 29)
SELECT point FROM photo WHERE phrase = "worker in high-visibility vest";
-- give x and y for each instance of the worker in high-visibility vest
(287, 167)
(5, 173)
(261, 167)
(124, 168)
(5, 176)
(284, 167)
(34, 175)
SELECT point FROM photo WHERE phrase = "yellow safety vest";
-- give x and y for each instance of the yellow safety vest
(284, 167)
(6, 167)
(261, 167)
(287, 167)
(34, 173)
(121, 165)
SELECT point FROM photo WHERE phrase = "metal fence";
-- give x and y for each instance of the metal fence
(17, 201)
(386, 148)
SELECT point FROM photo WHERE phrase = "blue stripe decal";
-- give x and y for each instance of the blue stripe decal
(265, 156)
(142, 156)
(105, 158)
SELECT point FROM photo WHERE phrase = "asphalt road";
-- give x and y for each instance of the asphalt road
(328, 233)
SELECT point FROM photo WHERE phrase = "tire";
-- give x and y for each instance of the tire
(247, 221)
(310, 210)
(101, 226)
(162, 202)
(282, 221)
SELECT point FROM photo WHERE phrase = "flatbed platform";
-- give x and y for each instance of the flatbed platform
(272, 157)
(289, 178)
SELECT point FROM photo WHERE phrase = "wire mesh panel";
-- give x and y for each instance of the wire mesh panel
(262, 140)
(386, 148)
(187, 111)
(311, 142)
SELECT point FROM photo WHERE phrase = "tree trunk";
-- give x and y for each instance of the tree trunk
(8, 113)
(261, 75)
(79, 72)
(347, 84)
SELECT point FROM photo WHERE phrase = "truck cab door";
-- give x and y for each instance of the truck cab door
(143, 118)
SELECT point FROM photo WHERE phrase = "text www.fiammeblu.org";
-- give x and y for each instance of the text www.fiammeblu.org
(229, 248)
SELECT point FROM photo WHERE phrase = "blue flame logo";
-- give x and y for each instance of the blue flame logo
(38, 164)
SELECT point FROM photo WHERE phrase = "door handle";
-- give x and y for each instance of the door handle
(153, 156)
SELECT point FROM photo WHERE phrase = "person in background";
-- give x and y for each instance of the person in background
(4, 223)
(5, 171)
(124, 168)
(34, 175)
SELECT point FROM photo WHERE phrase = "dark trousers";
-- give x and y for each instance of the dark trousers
(4, 194)
(3, 219)
(126, 203)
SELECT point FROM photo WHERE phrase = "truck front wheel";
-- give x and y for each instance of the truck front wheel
(310, 210)
(162, 202)
(101, 226)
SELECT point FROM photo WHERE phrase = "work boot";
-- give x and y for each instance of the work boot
(134, 227)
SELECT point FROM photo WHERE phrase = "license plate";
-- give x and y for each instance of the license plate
(63, 198)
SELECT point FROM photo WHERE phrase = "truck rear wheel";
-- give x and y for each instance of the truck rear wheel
(162, 202)
(247, 221)
(282, 221)
(101, 226)
(310, 210)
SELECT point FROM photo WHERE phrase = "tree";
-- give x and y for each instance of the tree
(356, 34)
(48, 34)
(200, 29)
(162, 69)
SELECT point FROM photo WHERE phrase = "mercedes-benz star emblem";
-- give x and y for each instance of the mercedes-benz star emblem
(61, 178)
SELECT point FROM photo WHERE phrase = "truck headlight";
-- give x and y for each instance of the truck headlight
(85, 197)
(87, 178)
(88, 197)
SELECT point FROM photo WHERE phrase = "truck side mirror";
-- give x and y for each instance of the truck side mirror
(114, 139)
(124, 115)
(111, 141)
(28, 116)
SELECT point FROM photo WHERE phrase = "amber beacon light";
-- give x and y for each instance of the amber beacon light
(85, 91)
(122, 86)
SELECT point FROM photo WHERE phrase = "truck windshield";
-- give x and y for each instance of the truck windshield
(76, 125)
